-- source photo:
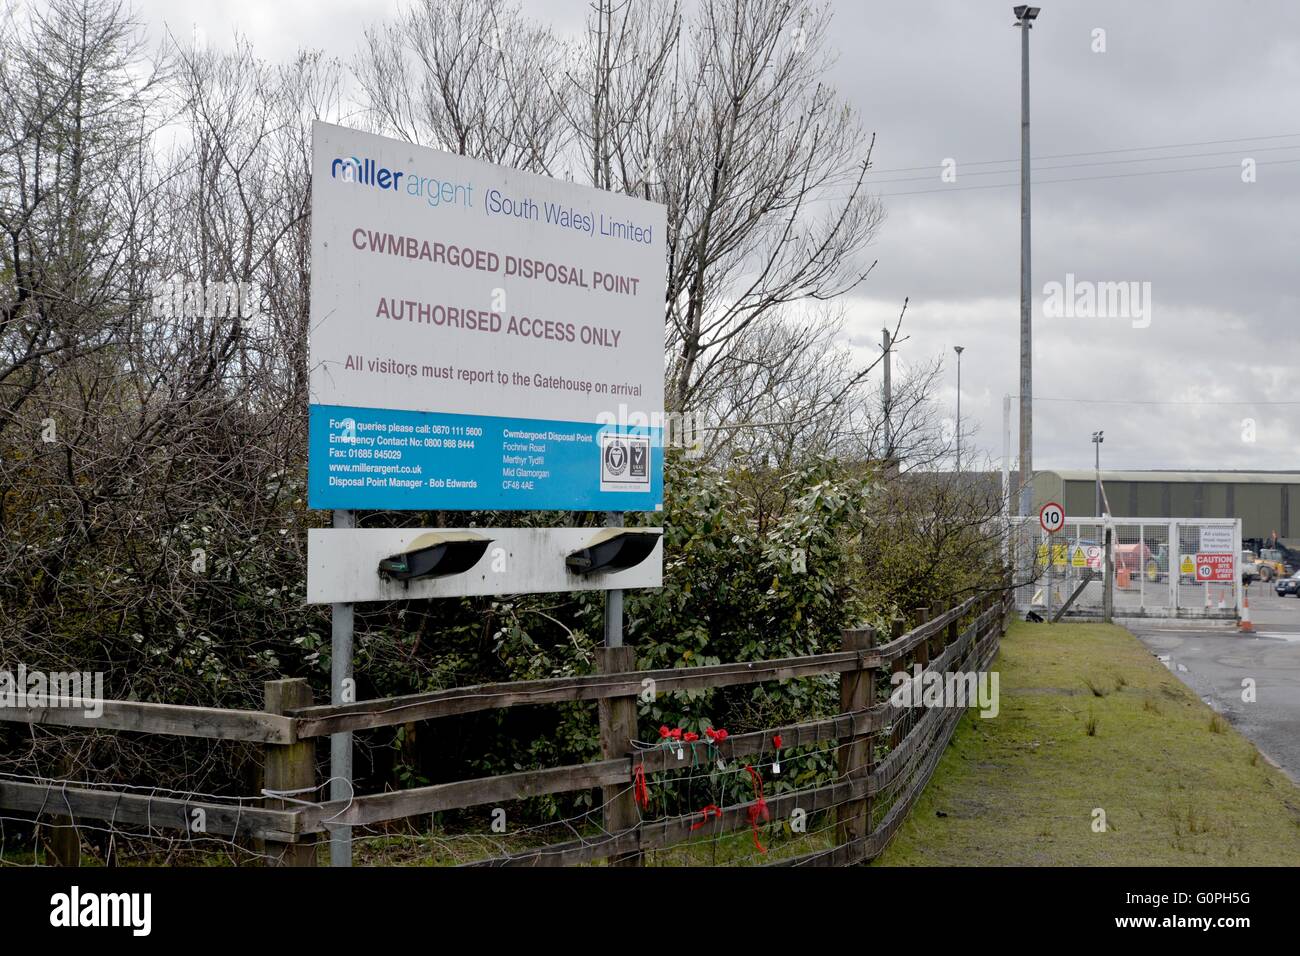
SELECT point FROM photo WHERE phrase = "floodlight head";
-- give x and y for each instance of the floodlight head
(435, 555)
(613, 550)
(959, 349)
(1025, 14)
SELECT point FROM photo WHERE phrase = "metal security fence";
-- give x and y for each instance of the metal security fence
(1161, 567)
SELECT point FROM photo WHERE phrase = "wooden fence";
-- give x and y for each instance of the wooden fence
(885, 753)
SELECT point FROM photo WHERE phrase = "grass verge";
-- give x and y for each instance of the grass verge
(1090, 721)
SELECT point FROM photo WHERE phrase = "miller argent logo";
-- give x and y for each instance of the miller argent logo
(434, 191)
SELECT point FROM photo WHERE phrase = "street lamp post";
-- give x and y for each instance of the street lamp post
(1097, 439)
(959, 349)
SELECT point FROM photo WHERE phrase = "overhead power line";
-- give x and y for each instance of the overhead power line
(1082, 179)
(1099, 152)
(1190, 402)
(1103, 162)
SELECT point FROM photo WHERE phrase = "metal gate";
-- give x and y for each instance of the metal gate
(1160, 567)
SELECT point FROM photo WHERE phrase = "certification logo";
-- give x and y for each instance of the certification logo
(624, 462)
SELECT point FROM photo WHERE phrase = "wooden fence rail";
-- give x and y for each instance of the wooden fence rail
(289, 724)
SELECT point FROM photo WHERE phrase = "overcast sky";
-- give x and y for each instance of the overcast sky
(939, 80)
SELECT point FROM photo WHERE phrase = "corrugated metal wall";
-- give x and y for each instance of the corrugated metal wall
(1262, 508)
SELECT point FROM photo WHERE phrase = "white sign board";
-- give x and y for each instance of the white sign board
(1216, 539)
(481, 338)
(342, 565)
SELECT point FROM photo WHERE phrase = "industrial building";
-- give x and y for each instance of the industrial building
(1266, 502)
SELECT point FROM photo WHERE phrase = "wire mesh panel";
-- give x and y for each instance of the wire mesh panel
(1158, 566)
(1205, 581)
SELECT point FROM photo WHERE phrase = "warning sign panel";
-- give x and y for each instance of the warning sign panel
(1187, 566)
(1214, 567)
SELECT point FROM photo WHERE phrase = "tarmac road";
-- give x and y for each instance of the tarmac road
(1214, 660)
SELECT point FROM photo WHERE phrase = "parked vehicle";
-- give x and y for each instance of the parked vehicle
(1272, 565)
(1137, 558)
(1289, 585)
(1249, 567)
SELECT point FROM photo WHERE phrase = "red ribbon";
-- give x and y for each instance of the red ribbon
(641, 791)
(711, 808)
(758, 809)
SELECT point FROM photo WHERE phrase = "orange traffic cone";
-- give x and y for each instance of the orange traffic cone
(1245, 624)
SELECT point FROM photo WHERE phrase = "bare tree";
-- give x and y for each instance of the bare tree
(74, 95)
(723, 116)
(467, 76)
(763, 179)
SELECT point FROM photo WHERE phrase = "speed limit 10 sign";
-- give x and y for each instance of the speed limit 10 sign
(1052, 517)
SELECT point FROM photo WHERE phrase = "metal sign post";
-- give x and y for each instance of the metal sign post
(614, 598)
(1047, 585)
(341, 688)
(1052, 519)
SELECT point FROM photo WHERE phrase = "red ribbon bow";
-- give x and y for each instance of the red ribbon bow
(758, 809)
(640, 790)
(712, 808)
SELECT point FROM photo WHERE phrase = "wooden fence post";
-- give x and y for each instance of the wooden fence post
(62, 839)
(952, 632)
(289, 767)
(617, 731)
(897, 628)
(857, 756)
(922, 616)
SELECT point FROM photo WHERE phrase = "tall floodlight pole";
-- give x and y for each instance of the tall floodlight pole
(1006, 479)
(959, 349)
(1025, 17)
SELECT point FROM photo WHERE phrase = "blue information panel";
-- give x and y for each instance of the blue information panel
(399, 460)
